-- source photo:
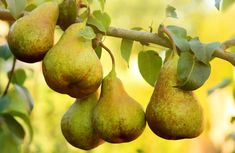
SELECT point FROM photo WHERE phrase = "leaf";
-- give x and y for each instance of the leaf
(226, 4)
(87, 33)
(137, 28)
(126, 47)
(8, 142)
(232, 119)
(102, 3)
(30, 7)
(191, 73)
(4, 101)
(98, 51)
(221, 85)
(14, 126)
(180, 37)
(171, 12)
(19, 100)
(5, 52)
(149, 63)
(4, 3)
(16, 7)
(203, 52)
(26, 120)
(19, 76)
(217, 4)
(99, 20)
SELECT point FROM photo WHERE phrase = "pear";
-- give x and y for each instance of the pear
(173, 113)
(117, 117)
(68, 13)
(72, 66)
(31, 36)
(76, 124)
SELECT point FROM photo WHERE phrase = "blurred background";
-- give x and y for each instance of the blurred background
(201, 19)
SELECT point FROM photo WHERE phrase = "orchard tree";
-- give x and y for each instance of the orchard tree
(72, 66)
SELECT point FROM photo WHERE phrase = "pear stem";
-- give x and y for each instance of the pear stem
(10, 77)
(163, 29)
(110, 53)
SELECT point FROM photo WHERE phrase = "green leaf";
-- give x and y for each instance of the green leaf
(30, 7)
(16, 7)
(100, 20)
(217, 4)
(4, 3)
(137, 28)
(17, 99)
(126, 47)
(203, 52)
(221, 85)
(102, 3)
(89, 1)
(191, 73)
(98, 51)
(226, 4)
(87, 33)
(5, 52)
(13, 125)
(26, 120)
(8, 142)
(171, 12)
(232, 119)
(4, 102)
(179, 35)
(19, 76)
(149, 63)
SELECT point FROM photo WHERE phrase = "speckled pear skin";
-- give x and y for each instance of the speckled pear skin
(118, 118)
(72, 66)
(31, 36)
(76, 124)
(173, 113)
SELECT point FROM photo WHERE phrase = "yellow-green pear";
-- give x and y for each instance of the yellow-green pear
(117, 117)
(72, 66)
(31, 36)
(173, 113)
(76, 124)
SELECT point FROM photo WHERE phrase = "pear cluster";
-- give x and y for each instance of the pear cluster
(72, 67)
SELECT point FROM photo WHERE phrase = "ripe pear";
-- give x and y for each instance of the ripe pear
(76, 124)
(117, 117)
(173, 113)
(72, 66)
(31, 36)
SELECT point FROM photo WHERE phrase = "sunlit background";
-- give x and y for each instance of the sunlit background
(200, 18)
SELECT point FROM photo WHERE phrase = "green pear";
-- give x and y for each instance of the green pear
(76, 124)
(173, 113)
(72, 66)
(117, 117)
(68, 13)
(31, 36)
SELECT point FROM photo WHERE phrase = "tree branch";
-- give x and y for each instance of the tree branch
(149, 37)
(143, 37)
(10, 77)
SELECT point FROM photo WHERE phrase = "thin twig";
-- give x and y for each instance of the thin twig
(165, 30)
(110, 53)
(10, 78)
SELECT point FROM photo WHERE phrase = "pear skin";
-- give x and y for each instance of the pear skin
(173, 113)
(31, 36)
(76, 124)
(72, 66)
(117, 117)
